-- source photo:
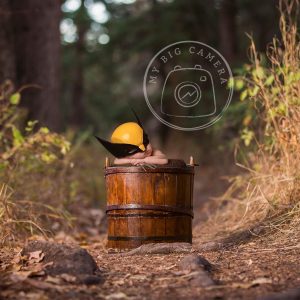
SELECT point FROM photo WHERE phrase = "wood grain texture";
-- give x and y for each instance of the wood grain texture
(148, 206)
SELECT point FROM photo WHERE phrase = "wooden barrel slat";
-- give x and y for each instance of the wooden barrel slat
(111, 230)
(145, 207)
(170, 194)
(134, 227)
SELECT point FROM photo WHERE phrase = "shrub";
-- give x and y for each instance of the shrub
(269, 190)
(27, 157)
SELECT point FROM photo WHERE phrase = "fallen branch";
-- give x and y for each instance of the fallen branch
(160, 248)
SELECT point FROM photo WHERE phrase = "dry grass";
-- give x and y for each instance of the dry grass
(42, 178)
(268, 192)
(48, 199)
(19, 217)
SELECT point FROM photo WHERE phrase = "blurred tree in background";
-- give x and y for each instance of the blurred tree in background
(82, 63)
(108, 44)
(86, 58)
(30, 55)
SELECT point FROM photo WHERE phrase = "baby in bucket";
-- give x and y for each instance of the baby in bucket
(130, 145)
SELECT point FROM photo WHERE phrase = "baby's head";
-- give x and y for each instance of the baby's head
(146, 153)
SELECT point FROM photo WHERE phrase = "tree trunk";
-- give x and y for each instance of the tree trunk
(37, 46)
(227, 29)
(78, 109)
(7, 58)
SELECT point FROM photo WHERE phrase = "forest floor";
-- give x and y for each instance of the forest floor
(253, 268)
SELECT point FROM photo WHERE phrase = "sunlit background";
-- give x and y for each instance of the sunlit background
(87, 59)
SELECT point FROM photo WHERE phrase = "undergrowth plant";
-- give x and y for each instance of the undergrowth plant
(46, 185)
(26, 154)
(269, 189)
(21, 143)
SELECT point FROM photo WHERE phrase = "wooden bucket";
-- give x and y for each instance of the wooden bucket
(146, 205)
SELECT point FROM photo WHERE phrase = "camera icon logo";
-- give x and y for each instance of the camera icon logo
(186, 85)
(182, 94)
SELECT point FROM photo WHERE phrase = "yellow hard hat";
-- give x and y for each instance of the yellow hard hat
(129, 133)
(127, 139)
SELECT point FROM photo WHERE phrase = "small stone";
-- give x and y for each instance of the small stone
(198, 267)
(194, 262)
(201, 279)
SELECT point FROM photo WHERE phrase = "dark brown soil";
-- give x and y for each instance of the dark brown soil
(252, 270)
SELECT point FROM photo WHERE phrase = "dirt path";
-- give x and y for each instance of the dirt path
(247, 271)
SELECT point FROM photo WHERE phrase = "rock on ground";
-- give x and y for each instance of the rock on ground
(194, 262)
(66, 259)
(198, 268)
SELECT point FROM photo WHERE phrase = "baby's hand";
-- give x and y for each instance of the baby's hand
(156, 160)
(136, 161)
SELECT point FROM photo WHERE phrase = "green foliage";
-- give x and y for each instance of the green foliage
(247, 136)
(270, 142)
(15, 98)
(269, 87)
(26, 152)
(42, 178)
(19, 142)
